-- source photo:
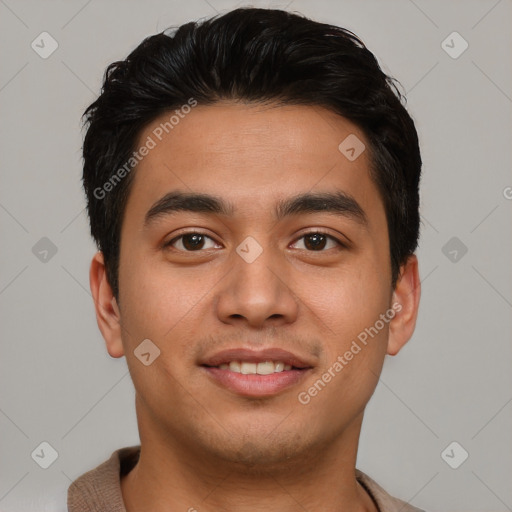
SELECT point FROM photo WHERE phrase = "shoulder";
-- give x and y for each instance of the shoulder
(384, 501)
(100, 488)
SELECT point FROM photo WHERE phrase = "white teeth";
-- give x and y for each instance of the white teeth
(234, 366)
(248, 368)
(263, 368)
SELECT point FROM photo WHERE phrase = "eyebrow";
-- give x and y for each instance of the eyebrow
(337, 202)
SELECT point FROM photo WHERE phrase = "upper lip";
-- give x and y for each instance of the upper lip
(256, 356)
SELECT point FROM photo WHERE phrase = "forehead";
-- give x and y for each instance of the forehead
(252, 155)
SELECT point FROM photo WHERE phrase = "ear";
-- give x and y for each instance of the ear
(405, 303)
(107, 310)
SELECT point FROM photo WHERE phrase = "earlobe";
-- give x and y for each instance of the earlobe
(405, 302)
(105, 304)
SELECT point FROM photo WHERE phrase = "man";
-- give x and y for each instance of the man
(252, 185)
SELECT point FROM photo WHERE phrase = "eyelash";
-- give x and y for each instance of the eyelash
(340, 244)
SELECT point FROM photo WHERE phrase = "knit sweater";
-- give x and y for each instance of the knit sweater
(99, 490)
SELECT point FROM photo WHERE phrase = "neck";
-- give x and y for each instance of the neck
(182, 478)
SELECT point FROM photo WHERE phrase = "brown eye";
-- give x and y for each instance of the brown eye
(191, 242)
(318, 242)
(315, 241)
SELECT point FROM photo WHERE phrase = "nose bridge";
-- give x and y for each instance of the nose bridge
(256, 288)
(254, 280)
(253, 266)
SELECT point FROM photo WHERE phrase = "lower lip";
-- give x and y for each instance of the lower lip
(256, 385)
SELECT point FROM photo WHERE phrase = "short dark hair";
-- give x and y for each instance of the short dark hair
(252, 55)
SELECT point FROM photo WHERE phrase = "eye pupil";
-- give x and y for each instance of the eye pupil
(196, 241)
(315, 241)
(193, 241)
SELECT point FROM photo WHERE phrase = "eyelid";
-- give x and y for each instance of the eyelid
(180, 234)
(322, 231)
(311, 231)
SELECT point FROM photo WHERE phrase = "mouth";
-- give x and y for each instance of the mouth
(256, 373)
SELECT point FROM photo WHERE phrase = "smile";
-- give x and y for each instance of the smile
(251, 368)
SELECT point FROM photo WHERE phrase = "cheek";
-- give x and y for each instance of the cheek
(346, 301)
(347, 310)
(157, 299)
(158, 304)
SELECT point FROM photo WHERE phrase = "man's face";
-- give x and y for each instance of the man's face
(252, 280)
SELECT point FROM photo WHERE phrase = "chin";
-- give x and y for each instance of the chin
(261, 453)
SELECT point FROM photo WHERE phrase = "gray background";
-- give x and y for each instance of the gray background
(452, 382)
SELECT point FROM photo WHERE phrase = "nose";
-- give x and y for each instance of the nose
(257, 293)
